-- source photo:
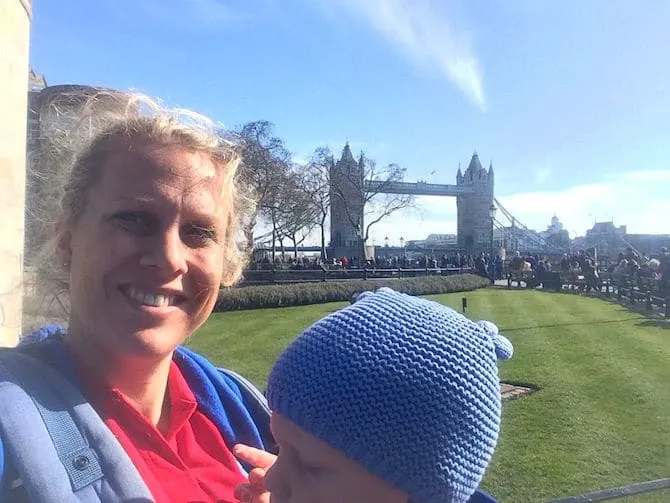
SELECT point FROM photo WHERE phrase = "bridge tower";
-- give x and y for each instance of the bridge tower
(474, 223)
(346, 205)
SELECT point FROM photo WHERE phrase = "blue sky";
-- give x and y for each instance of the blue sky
(570, 100)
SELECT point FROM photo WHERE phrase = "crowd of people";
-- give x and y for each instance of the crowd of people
(407, 261)
(636, 266)
(633, 264)
(628, 265)
(580, 263)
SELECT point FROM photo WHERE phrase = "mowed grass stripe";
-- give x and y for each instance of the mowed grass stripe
(601, 418)
(521, 464)
(627, 374)
(592, 426)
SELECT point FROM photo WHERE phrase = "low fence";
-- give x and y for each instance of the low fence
(286, 276)
(618, 492)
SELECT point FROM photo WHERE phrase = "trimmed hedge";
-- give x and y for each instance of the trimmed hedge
(300, 294)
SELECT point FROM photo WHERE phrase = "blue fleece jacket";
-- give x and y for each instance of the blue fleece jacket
(218, 396)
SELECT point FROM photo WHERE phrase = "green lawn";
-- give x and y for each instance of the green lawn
(601, 418)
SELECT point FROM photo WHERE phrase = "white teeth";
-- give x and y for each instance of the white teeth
(149, 299)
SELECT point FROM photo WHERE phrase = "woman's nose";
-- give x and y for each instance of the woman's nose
(168, 253)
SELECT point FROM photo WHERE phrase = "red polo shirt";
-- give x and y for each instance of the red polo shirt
(190, 463)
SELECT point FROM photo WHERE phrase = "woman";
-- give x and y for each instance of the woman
(146, 235)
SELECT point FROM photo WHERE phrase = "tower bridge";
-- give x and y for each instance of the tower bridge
(417, 188)
(475, 200)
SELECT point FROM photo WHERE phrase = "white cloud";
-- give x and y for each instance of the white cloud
(651, 175)
(422, 30)
(636, 199)
(542, 175)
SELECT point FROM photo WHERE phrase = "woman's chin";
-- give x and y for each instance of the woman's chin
(150, 342)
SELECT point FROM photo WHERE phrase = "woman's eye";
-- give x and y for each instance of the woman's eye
(137, 223)
(200, 236)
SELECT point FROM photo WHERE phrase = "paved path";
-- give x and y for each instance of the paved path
(511, 391)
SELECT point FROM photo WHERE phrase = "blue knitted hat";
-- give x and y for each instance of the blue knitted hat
(406, 387)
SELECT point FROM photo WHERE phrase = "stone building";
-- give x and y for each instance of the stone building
(474, 222)
(611, 240)
(347, 193)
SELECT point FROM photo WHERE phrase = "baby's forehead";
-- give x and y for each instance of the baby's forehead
(292, 436)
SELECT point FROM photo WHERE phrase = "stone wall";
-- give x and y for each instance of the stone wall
(14, 70)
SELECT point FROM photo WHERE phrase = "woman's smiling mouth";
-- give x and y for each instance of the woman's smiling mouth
(156, 299)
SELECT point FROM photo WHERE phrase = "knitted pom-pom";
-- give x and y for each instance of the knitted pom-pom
(503, 346)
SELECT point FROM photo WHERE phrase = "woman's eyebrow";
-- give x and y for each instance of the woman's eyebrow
(143, 199)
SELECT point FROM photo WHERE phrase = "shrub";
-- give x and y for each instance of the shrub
(300, 294)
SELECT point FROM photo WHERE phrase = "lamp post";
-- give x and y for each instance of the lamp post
(492, 216)
(361, 245)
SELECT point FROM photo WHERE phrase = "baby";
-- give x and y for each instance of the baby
(393, 399)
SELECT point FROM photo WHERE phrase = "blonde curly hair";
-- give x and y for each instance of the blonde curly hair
(81, 128)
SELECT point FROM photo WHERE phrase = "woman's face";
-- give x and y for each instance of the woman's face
(309, 470)
(145, 256)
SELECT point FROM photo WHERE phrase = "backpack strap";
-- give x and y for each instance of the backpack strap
(46, 425)
(79, 460)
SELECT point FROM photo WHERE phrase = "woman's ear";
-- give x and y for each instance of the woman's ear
(63, 247)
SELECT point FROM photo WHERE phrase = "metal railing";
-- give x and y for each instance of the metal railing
(286, 276)
(617, 492)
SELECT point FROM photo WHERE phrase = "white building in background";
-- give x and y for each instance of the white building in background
(436, 240)
(441, 240)
(556, 227)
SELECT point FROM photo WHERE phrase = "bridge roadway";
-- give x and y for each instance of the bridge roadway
(417, 188)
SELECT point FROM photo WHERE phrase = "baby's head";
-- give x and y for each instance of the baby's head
(393, 398)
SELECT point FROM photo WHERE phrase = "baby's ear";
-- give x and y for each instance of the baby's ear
(503, 346)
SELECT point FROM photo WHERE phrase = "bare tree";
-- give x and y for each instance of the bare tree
(297, 214)
(272, 212)
(317, 187)
(376, 199)
(380, 204)
(265, 165)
